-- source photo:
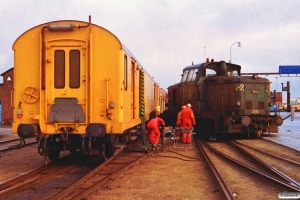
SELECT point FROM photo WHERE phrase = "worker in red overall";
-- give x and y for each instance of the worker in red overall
(179, 124)
(153, 130)
(154, 113)
(179, 118)
(188, 121)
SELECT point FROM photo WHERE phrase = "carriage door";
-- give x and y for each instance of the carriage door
(66, 73)
(133, 89)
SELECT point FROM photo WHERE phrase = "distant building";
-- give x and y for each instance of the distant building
(276, 97)
(6, 109)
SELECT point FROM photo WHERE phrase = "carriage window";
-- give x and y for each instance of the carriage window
(125, 72)
(185, 73)
(74, 69)
(59, 69)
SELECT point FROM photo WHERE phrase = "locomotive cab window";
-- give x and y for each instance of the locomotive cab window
(195, 74)
(211, 72)
(185, 73)
(207, 72)
(233, 73)
(192, 75)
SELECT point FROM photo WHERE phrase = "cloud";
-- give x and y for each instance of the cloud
(165, 35)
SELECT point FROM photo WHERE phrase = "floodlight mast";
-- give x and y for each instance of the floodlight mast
(239, 45)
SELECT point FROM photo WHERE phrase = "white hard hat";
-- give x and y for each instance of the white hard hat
(189, 105)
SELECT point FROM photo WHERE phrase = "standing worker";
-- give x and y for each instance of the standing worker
(179, 124)
(154, 113)
(153, 130)
(188, 121)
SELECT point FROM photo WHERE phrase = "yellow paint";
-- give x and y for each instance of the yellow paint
(101, 79)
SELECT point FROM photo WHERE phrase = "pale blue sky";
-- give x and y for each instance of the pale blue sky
(167, 35)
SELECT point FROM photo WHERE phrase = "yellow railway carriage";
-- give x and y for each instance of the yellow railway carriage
(78, 87)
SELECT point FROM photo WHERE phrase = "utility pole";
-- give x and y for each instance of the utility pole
(287, 89)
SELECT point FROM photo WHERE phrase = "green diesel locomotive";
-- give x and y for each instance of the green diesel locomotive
(224, 102)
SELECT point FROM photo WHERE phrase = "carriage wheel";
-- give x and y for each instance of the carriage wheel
(53, 151)
(109, 149)
(53, 155)
(102, 151)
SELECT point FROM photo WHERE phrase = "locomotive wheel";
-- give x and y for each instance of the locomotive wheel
(206, 129)
(252, 132)
(259, 133)
(211, 130)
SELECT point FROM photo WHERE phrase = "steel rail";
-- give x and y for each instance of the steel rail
(96, 185)
(31, 182)
(259, 172)
(11, 140)
(69, 189)
(223, 185)
(14, 181)
(276, 171)
(16, 146)
(272, 155)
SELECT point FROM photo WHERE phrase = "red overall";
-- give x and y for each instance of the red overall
(153, 131)
(179, 119)
(188, 121)
(179, 124)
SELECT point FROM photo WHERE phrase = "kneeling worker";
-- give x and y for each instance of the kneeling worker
(153, 130)
(154, 113)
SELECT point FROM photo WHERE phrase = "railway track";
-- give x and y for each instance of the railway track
(233, 166)
(22, 184)
(268, 154)
(79, 180)
(56, 181)
(17, 143)
(97, 178)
